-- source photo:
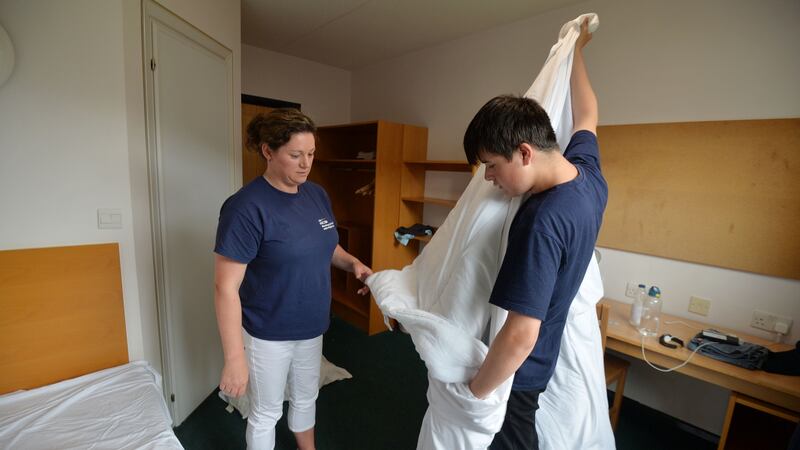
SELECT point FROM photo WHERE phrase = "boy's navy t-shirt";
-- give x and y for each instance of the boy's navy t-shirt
(550, 244)
(287, 241)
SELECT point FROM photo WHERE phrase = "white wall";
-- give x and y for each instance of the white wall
(650, 61)
(63, 148)
(72, 134)
(323, 91)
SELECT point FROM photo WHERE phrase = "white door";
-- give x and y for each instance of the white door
(191, 153)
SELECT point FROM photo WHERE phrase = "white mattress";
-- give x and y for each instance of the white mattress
(118, 408)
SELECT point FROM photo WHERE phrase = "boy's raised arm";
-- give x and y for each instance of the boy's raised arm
(584, 102)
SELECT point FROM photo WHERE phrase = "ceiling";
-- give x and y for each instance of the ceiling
(356, 33)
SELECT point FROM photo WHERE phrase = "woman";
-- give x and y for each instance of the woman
(276, 240)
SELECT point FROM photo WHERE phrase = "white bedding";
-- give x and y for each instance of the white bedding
(118, 408)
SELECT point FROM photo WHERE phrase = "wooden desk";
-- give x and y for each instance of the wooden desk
(781, 390)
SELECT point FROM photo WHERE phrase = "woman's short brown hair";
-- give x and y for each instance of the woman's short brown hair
(276, 128)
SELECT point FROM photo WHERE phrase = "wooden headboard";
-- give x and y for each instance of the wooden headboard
(61, 314)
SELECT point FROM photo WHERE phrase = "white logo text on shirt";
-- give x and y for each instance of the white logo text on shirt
(326, 224)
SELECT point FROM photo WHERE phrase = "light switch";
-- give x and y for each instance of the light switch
(109, 218)
(699, 305)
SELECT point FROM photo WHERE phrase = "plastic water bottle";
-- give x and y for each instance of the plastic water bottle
(651, 313)
(637, 306)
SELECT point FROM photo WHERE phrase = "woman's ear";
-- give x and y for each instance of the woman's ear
(266, 152)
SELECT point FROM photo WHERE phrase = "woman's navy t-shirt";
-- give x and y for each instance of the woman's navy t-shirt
(550, 244)
(287, 241)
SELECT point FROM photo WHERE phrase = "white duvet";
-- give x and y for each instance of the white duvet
(118, 408)
(441, 299)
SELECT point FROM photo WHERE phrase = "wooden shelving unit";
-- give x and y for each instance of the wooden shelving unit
(441, 165)
(414, 170)
(365, 224)
(347, 163)
(431, 200)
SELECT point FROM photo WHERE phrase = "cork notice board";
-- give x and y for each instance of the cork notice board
(725, 193)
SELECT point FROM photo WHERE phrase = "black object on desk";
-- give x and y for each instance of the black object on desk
(784, 363)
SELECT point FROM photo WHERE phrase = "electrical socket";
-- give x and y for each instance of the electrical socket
(761, 320)
(699, 305)
(771, 322)
(631, 290)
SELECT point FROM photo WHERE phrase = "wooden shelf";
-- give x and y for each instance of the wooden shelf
(350, 313)
(441, 165)
(412, 187)
(431, 200)
(354, 225)
(348, 163)
(351, 301)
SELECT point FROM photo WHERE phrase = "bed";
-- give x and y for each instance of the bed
(66, 379)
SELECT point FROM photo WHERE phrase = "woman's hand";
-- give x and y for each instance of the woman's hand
(345, 261)
(362, 272)
(233, 381)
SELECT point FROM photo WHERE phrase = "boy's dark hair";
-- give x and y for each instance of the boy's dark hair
(505, 122)
(276, 128)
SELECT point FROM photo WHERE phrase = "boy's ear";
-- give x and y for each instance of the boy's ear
(527, 152)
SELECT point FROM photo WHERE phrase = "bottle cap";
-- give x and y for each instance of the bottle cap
(654, 292)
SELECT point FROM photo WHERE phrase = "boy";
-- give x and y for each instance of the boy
(550, 243)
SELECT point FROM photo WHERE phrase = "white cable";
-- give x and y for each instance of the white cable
(676, 367)
(682, 323)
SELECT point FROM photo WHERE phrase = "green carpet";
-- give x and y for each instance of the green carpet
(382, 406)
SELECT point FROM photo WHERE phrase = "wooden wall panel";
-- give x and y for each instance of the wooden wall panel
(253, 164)
(723, 193)
(62, 314)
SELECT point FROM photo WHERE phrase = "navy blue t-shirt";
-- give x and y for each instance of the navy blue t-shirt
(287, 241)
(550, 244)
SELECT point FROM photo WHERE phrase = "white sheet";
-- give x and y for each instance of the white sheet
(441, 300)
(573, 410)
(118, 408)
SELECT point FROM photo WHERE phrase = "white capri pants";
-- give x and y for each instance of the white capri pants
(272, 364)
